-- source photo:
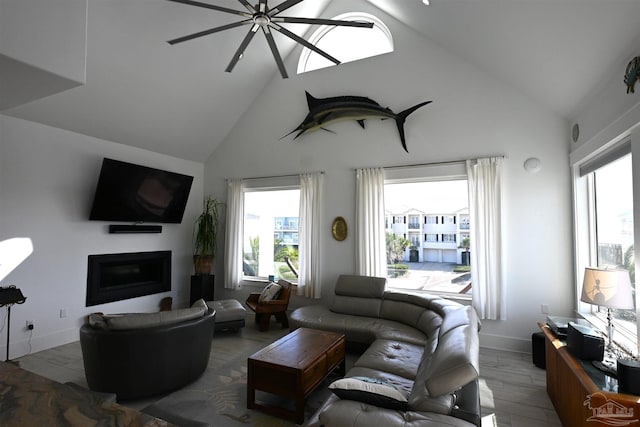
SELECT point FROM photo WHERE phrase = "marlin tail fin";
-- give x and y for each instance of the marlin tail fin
(402, 116)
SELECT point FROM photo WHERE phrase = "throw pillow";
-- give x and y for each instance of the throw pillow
(372, 391)
(270, 292)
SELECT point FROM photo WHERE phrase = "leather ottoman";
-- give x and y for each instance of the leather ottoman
(230, 314)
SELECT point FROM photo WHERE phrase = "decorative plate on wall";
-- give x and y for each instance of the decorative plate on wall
(339, 229)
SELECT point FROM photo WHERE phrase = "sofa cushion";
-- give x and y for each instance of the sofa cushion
(339, 412)
(421, 399)
(401, 311)
(358, 295)
(360, 286)
(396, 357)
(147, 320)
(455, 361)
(357, 329)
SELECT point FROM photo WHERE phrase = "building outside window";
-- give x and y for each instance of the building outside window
(437, 268)
(449, 238)
(270, 232)
(431, 219)
(431, 238)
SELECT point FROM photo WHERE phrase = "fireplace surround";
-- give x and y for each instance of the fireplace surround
(115, 277)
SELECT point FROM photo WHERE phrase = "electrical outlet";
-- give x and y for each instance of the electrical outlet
(544, 309)
(63, 313)
(30, 325)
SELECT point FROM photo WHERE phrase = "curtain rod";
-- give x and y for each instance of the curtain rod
(448, 162)
(277, 176)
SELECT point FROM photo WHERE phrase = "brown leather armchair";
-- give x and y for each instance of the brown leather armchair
(277, 307)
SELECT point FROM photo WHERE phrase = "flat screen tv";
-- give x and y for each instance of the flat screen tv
(134, 193)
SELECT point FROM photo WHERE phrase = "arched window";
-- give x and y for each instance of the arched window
(346, 43)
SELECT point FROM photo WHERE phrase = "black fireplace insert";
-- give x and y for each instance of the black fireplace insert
(115, 277)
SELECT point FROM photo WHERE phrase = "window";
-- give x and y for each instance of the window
(270, 231)
(605, 229)
(435, 264)
(431, 219)
(464, 222)
(346, 44)
(449, 238)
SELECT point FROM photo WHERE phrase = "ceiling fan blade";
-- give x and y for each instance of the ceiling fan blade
(242, 47)
(207, 32)
(283, 6)
(293, 20)
(214, 7)
(303, 42)
(248, 5)
(274, 50)
(262, 6)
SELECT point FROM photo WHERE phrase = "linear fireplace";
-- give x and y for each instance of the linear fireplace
(114, 277)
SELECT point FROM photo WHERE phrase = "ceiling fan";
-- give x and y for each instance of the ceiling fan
(262, 17)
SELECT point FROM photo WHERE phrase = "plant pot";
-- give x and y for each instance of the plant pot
(202, 264)
(466, 258)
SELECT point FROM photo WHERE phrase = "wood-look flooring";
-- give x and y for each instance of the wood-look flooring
(511, 386)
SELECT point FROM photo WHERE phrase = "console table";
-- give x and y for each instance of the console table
(581, 394)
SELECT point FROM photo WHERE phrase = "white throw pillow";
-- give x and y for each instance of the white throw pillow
(372, 391)
(270, 292)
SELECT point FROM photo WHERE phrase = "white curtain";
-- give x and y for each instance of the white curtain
(485, 211)
(371, 257)
(234, 239)
(310, 233)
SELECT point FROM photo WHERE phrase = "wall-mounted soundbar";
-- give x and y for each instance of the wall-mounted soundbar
(123, 229)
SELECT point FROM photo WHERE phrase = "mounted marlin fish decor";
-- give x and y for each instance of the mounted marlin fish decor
(323, 111)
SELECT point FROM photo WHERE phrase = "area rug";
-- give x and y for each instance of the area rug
(219, 397)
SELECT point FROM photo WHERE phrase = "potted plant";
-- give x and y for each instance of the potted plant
(205, 232)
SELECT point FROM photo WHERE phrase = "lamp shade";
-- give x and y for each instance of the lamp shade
(608, 288)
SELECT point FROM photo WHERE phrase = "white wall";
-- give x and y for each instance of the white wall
(47, 180)
(609, 113)
(43, 48)
(471, 116)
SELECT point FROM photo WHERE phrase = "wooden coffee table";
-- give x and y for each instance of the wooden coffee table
(293, 367)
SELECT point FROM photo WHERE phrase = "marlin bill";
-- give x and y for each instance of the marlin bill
(323, 111)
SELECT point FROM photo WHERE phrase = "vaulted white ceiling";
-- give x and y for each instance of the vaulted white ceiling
(142, 92)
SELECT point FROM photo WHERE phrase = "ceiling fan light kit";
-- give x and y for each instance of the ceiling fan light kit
(267, 19)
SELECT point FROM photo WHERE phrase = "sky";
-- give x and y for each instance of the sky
(429, 197)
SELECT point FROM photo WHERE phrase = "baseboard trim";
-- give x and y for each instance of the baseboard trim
(38, 343)
(498, 342)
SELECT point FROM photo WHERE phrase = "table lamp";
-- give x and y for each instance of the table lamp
(609, 288)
